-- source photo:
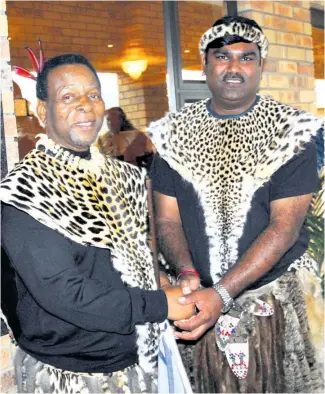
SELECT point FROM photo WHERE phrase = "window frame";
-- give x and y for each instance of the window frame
(178, 90)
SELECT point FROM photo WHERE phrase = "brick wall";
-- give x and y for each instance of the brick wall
(7, 91)
(87, 28)
(146, 99)
(123, 24)
(289, 69)
(81, 27)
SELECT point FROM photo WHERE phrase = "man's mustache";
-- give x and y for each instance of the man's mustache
(230, 76)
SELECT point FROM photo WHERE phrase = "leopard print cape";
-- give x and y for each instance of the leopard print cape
(101, 202)
(227, 160)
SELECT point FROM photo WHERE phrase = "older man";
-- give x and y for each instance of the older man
(79, 289)
(233, 183)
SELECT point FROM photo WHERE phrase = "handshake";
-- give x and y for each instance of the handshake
(176, 310)
(194, 310)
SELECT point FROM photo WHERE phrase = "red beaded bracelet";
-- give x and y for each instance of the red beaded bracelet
(194, 272)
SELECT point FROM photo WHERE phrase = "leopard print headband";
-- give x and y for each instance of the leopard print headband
(243, 30)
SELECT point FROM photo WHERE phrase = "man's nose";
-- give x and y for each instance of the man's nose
(234, 64)
(85, 104)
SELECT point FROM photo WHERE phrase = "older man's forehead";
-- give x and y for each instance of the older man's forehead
(72, 74)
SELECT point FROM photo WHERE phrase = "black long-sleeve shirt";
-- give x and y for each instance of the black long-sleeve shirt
(69, 307)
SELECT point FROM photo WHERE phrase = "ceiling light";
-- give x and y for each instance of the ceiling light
(134, 61)
(135, 67)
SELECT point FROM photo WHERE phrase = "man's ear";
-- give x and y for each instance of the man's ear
(203, 63)
(41, 110)
(262, 64)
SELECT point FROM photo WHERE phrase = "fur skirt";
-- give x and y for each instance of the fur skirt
(33, 376)
(285, 349)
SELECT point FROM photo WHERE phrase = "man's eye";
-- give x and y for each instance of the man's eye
(247, 59)
(222, 57)
(68, 98)
(95, 96)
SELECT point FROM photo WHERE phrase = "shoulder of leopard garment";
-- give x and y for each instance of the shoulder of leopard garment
(102, 203)
(228, 159)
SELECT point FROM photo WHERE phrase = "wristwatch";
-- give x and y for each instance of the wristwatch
(228, 302)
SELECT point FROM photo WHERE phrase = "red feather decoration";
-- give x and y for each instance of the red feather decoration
(41, 56)
(33, 59)
(38, 66)
(23, 72)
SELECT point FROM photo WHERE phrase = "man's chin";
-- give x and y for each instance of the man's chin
(84, 141)
(233, 96)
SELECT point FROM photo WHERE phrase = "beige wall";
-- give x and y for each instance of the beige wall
(7, 91)
(6, 348)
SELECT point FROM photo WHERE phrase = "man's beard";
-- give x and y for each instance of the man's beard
(77, 139)
(233, 95)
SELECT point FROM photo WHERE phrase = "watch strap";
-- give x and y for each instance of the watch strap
(228, 302)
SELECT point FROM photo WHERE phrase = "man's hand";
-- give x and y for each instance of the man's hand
(189, 282)
(209, 304)
(177, 311)
(164, 281)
